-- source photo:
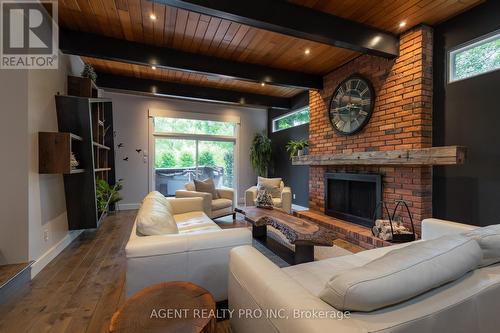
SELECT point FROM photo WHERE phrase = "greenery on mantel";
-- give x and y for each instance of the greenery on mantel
(260, 154)
(296, 147)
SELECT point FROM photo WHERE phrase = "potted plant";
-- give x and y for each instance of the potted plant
(296, 147)
(88, 71)
(107, 195)
(260, 154)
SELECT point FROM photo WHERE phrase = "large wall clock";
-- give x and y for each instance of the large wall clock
(351, 105)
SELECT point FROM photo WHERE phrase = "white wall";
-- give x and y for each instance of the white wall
(31, 204)
(48, 224)
(130, 113)
(14, 166)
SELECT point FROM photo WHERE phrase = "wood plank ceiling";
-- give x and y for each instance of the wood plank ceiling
(196, 33)
(387, 14)
(146, 72)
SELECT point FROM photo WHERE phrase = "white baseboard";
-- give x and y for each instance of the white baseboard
(130, 206)
(48, 256)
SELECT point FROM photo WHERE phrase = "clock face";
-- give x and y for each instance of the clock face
(351, 105)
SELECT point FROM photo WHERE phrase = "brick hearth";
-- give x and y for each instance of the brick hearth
(350, 232)
(402, 119)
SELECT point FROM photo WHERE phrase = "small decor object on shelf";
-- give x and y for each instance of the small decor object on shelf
(264, 200)
(73, 162)
(88, 71)
(296, 147)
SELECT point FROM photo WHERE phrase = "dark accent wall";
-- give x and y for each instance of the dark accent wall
(297, 177)
(467, 113)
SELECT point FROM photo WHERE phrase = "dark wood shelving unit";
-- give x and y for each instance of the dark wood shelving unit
(82, 87)
(54, 150)
(88, 121)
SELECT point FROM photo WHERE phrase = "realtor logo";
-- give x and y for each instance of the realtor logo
(29, 34)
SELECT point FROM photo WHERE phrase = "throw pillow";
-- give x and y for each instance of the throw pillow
(488, 239)
(264, 199)
(206, 186)
(271, 185)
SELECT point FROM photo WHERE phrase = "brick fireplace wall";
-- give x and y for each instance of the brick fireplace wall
(402, 119)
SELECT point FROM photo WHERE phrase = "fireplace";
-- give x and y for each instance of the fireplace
(353, 197)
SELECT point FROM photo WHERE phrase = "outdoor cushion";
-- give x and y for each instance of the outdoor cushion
(488, 239)
(402, 274)
(206, 186)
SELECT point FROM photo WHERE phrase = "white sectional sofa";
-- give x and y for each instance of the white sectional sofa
(196, 251)
(257, 287)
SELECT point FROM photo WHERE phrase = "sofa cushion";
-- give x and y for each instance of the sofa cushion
(488, 239)
(194, 222)
(314, 275)
(402, 274)
(207, 186)
(155, 218)
(221, 203)
(271, 185)
(160, 198)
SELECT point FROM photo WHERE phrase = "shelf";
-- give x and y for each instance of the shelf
(54, 151)
(449, 155)
(93, 150)
(98, 145)
(102, 169)
(75, 137)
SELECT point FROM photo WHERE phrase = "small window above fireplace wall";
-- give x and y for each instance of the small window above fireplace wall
(291, 119)
(479, 56)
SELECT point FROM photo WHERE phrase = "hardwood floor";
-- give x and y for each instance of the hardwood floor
(82, 287)
(7, 272)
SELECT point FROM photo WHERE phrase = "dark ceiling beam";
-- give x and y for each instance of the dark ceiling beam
(185, 91)
(96, 46)
(297, 21)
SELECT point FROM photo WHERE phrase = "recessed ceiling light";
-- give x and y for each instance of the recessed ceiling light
(307, 51)
(402, 24)
(152, 16)
(153, 67)
(262, 84)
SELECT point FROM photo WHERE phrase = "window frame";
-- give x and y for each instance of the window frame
(276, 119)
(235, 138)
(450, 56)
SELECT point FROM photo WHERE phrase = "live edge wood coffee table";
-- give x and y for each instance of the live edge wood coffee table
(299, 232)
(167, 307)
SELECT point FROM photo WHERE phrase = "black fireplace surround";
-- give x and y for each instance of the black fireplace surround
(353, 197)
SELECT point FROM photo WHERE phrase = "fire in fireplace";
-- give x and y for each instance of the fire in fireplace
(353, 197)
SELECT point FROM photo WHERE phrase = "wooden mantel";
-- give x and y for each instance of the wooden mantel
(449, 155)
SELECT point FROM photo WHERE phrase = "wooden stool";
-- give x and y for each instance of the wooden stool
(180, 307)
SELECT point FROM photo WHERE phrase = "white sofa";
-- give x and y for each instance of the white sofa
(284, 201)
(198, 252)
(214, 208)
(469, 304)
